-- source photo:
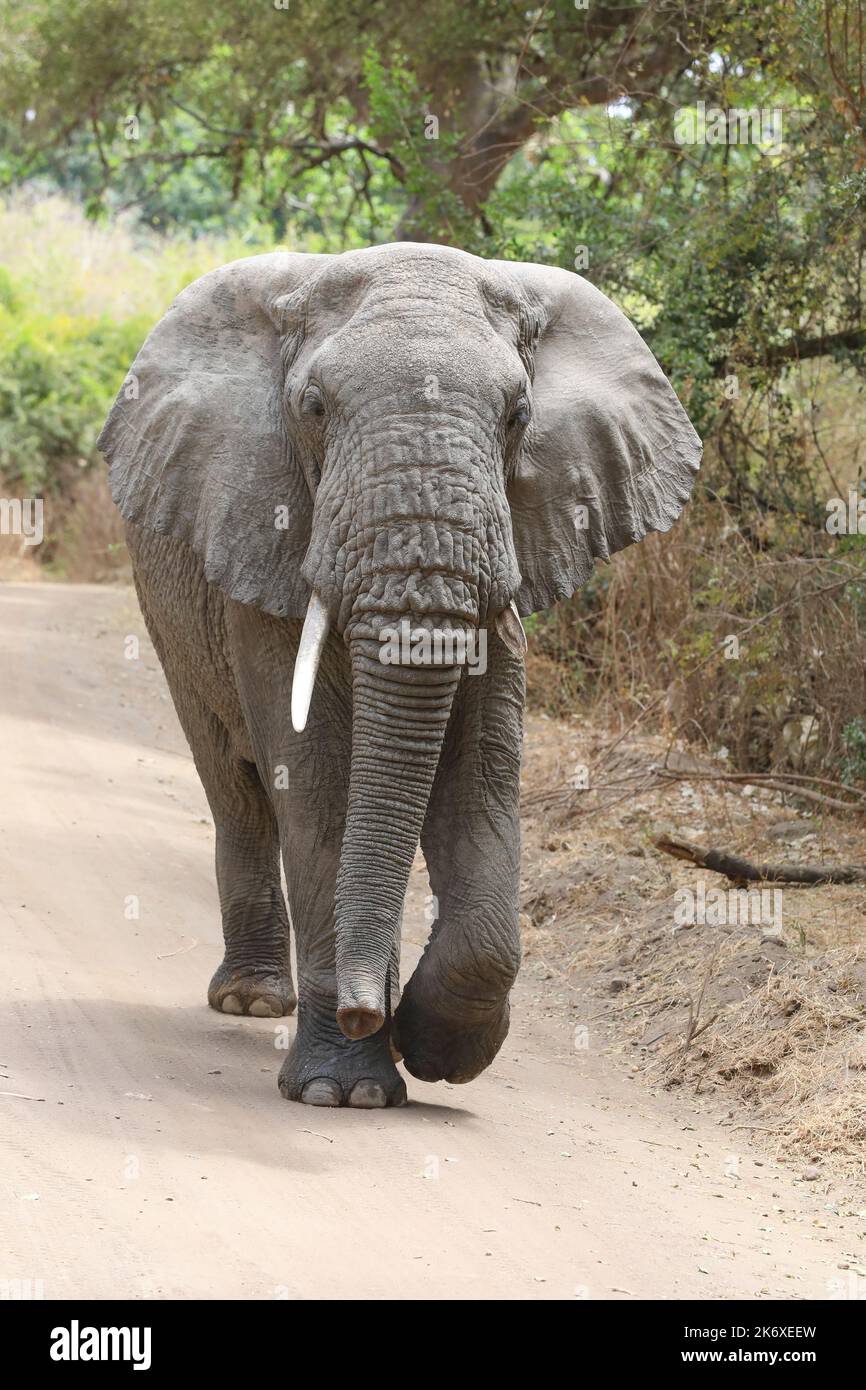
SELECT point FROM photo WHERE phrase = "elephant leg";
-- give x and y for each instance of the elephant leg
(453, 1016)
(185, 619)
(255, 976)
(308, 777)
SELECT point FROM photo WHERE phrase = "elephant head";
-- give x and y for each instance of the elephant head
(406, 431)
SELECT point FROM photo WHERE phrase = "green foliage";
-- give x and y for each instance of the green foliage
(76, 303)
(58, 376)
(8, 297)
(853, 768)
(401, 120)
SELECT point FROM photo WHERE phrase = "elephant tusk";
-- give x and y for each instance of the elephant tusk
(510, 629)
(310, 649)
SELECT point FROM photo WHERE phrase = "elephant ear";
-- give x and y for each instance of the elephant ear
(196, 440)
(610, 453)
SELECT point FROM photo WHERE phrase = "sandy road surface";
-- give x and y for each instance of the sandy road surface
(144, 1149)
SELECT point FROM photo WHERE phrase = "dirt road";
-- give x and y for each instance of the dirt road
(144, 1149)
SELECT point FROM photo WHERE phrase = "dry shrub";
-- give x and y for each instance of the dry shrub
(745, 626)
(83, 535)
(743, 643)
(84, 539)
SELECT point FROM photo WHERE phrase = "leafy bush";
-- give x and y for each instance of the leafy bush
(58, 376)
(76, 302)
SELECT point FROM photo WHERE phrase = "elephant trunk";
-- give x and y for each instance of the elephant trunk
(400, 714)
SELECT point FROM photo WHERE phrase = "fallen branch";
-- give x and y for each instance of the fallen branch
(741, 871)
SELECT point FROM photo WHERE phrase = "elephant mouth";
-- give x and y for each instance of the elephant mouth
(402, 643)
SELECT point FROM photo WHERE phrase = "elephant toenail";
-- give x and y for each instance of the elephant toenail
(231, 1005)
(263, 1008)
(368, 1095)
(322, 1091)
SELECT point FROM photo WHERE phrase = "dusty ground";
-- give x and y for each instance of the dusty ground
(144, 1149)
(759, 1017)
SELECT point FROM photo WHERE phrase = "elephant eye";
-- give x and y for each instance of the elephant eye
(520, 413)
(312, 402)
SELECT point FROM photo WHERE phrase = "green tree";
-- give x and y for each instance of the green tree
(422, 105)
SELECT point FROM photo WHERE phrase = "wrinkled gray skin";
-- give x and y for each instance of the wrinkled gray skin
(402, 431)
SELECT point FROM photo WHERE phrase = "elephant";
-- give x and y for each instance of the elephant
(309, 451)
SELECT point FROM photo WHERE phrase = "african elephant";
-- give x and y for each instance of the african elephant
(308, 450)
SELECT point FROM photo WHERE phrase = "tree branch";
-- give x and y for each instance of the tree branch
(796, 350)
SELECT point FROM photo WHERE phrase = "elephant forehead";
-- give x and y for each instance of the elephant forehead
(389, 311)
(432, 276)
(388, 280)
(404, 262)
(429, 354)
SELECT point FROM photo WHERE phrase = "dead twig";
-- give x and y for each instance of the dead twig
(693, 1031)
(787, 782)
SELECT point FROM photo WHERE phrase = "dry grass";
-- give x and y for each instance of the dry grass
(793, 1048)
(76, 267)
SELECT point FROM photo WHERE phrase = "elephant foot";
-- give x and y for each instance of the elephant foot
(436, 1045)
(325, 1068)
(259, 993)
